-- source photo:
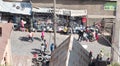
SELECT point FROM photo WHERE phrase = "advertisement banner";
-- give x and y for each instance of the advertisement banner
(16, 7)
(110, 6)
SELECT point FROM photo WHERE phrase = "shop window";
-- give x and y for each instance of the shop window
(0, 31)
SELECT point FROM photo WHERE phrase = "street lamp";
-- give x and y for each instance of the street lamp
(54, 5)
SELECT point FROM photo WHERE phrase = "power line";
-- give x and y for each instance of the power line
(111, 45)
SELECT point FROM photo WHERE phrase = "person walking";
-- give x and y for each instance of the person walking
(30, 36)
(42, 35)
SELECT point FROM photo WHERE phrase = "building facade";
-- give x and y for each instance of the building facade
(5, 44)
(96, 10)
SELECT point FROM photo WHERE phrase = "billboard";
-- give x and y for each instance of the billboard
(110, 6)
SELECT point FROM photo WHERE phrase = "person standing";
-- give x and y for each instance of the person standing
(101, 54)
(52, 47)
(42, 48)
(45, 44)
(90, 55)
(96, 35)
(35, 24)
(80, 33)
(22, 25)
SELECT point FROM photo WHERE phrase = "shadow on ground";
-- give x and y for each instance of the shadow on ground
(36, 38)
(103, 41)
(27, 39)
(24, 38)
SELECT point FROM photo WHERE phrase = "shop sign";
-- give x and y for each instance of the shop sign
(78, 12)
(16, 7)
(110, 6)
(59, 11)
(67, 12)
(42, 10)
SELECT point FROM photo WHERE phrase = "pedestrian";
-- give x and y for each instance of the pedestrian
(42, 35)
(85, 35)
(90, 54)
(35, 24)
(80, 33)
(52, 47)
(90, 36)
(42, 47)
(31, 36)
(22, 24)
(96, 35)
(45, 44)
(98, 57)
(108, 61)
(101, 54)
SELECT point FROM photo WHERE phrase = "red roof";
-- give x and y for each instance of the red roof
(6, 32)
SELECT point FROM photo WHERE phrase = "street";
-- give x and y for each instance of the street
(23, 50)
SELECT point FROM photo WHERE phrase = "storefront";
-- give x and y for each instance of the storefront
(12, 10)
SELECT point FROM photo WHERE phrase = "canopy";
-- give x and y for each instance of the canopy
(16, 7)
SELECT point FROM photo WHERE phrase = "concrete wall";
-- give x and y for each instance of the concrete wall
(92, 7)
(78, 55)
(59, 56)
(5, 48)
(69, 53)
(7, 54)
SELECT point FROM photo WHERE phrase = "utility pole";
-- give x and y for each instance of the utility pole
(116, 37)
(54, 4)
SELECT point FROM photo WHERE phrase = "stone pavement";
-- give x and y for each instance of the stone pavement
(21, 47)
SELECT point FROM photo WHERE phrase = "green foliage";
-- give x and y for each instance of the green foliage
(114, 64)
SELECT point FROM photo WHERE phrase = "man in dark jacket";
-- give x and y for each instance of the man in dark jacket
(80, 33)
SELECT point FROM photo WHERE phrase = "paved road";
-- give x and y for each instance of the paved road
(23, 50)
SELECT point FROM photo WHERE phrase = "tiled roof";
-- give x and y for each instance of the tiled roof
(6, 31)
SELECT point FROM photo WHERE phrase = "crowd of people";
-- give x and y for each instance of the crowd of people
(89, 33)
(98, 58)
